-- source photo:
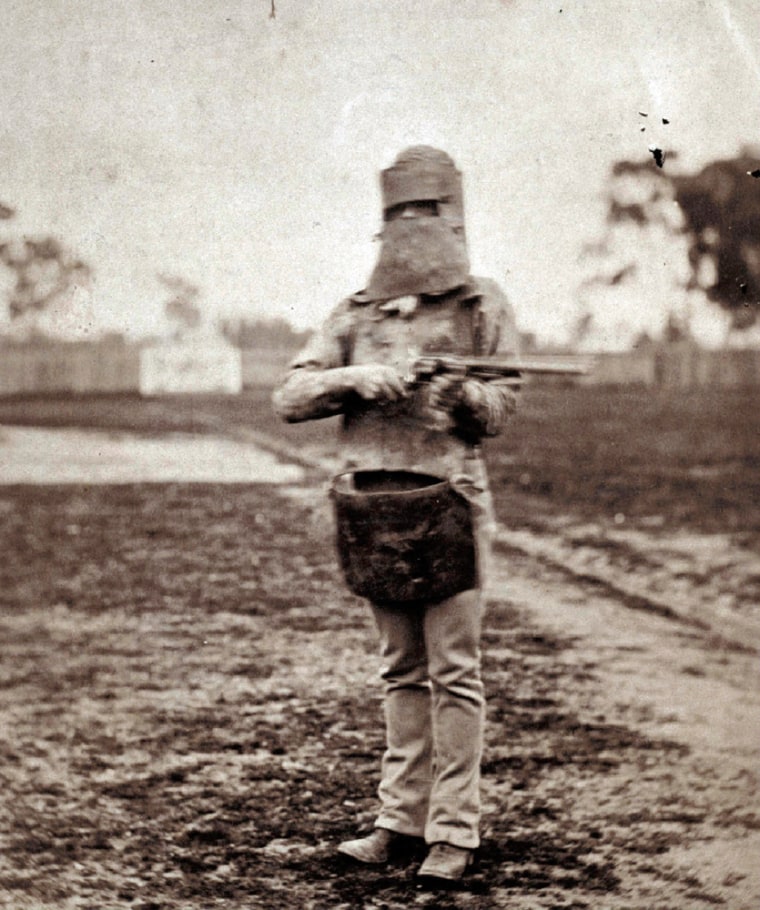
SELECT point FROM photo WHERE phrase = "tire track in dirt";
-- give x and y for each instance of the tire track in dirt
(636, 571)
(679, 823)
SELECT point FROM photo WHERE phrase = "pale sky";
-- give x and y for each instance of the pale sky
(208, 140)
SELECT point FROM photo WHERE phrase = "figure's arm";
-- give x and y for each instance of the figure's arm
(482, 407)
(485, 407)
(309, 393)
(321, 382)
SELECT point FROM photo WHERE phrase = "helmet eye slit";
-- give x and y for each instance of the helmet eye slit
(415, 209)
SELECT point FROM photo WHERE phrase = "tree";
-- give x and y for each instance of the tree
(181, 308)
(719, 208)
(45, 271)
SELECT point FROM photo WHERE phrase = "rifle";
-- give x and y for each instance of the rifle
(511, 368)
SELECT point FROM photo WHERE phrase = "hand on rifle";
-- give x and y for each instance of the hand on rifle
(377, 382)
(448, 390)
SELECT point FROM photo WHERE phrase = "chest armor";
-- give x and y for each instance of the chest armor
(398, 332)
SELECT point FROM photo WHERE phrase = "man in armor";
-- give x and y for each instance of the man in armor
(420, 299)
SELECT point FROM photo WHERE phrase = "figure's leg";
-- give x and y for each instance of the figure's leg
(452, 638)
(406, 767)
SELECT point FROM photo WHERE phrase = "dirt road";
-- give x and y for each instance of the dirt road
(191, 719)
(671, 797)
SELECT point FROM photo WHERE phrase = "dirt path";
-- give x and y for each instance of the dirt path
(191, 718)
(686, 810)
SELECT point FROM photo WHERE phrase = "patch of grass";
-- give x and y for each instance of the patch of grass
(674, 459)
(662, 458)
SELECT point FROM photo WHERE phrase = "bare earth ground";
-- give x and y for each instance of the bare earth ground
(191, 715)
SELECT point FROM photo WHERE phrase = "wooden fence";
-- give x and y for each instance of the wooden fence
(114, 366)
(77, 367)
(678, 366)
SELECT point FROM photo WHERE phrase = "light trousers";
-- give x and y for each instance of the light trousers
(434, 713)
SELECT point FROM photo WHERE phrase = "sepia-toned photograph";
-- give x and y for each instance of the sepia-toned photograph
(379, 455)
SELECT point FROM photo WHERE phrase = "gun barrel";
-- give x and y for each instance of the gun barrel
(548, 364)
(567, 364)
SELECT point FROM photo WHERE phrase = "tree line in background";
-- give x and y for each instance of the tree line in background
(43, 271)
(275, 333)
(183, 309)
(716, 214)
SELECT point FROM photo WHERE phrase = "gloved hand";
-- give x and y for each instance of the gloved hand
(468, 405)
(444, 393)
(308, 394)
(449, 390)
(376, 382)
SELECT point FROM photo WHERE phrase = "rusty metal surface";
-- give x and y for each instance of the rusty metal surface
(403, 537)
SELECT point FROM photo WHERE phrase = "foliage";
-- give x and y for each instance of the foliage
(44, 271)
(182, 306)
(720, 208)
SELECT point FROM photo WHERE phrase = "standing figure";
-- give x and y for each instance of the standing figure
(420, 299)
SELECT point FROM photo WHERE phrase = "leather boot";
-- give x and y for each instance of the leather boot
(445, 863)
(374, 849)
